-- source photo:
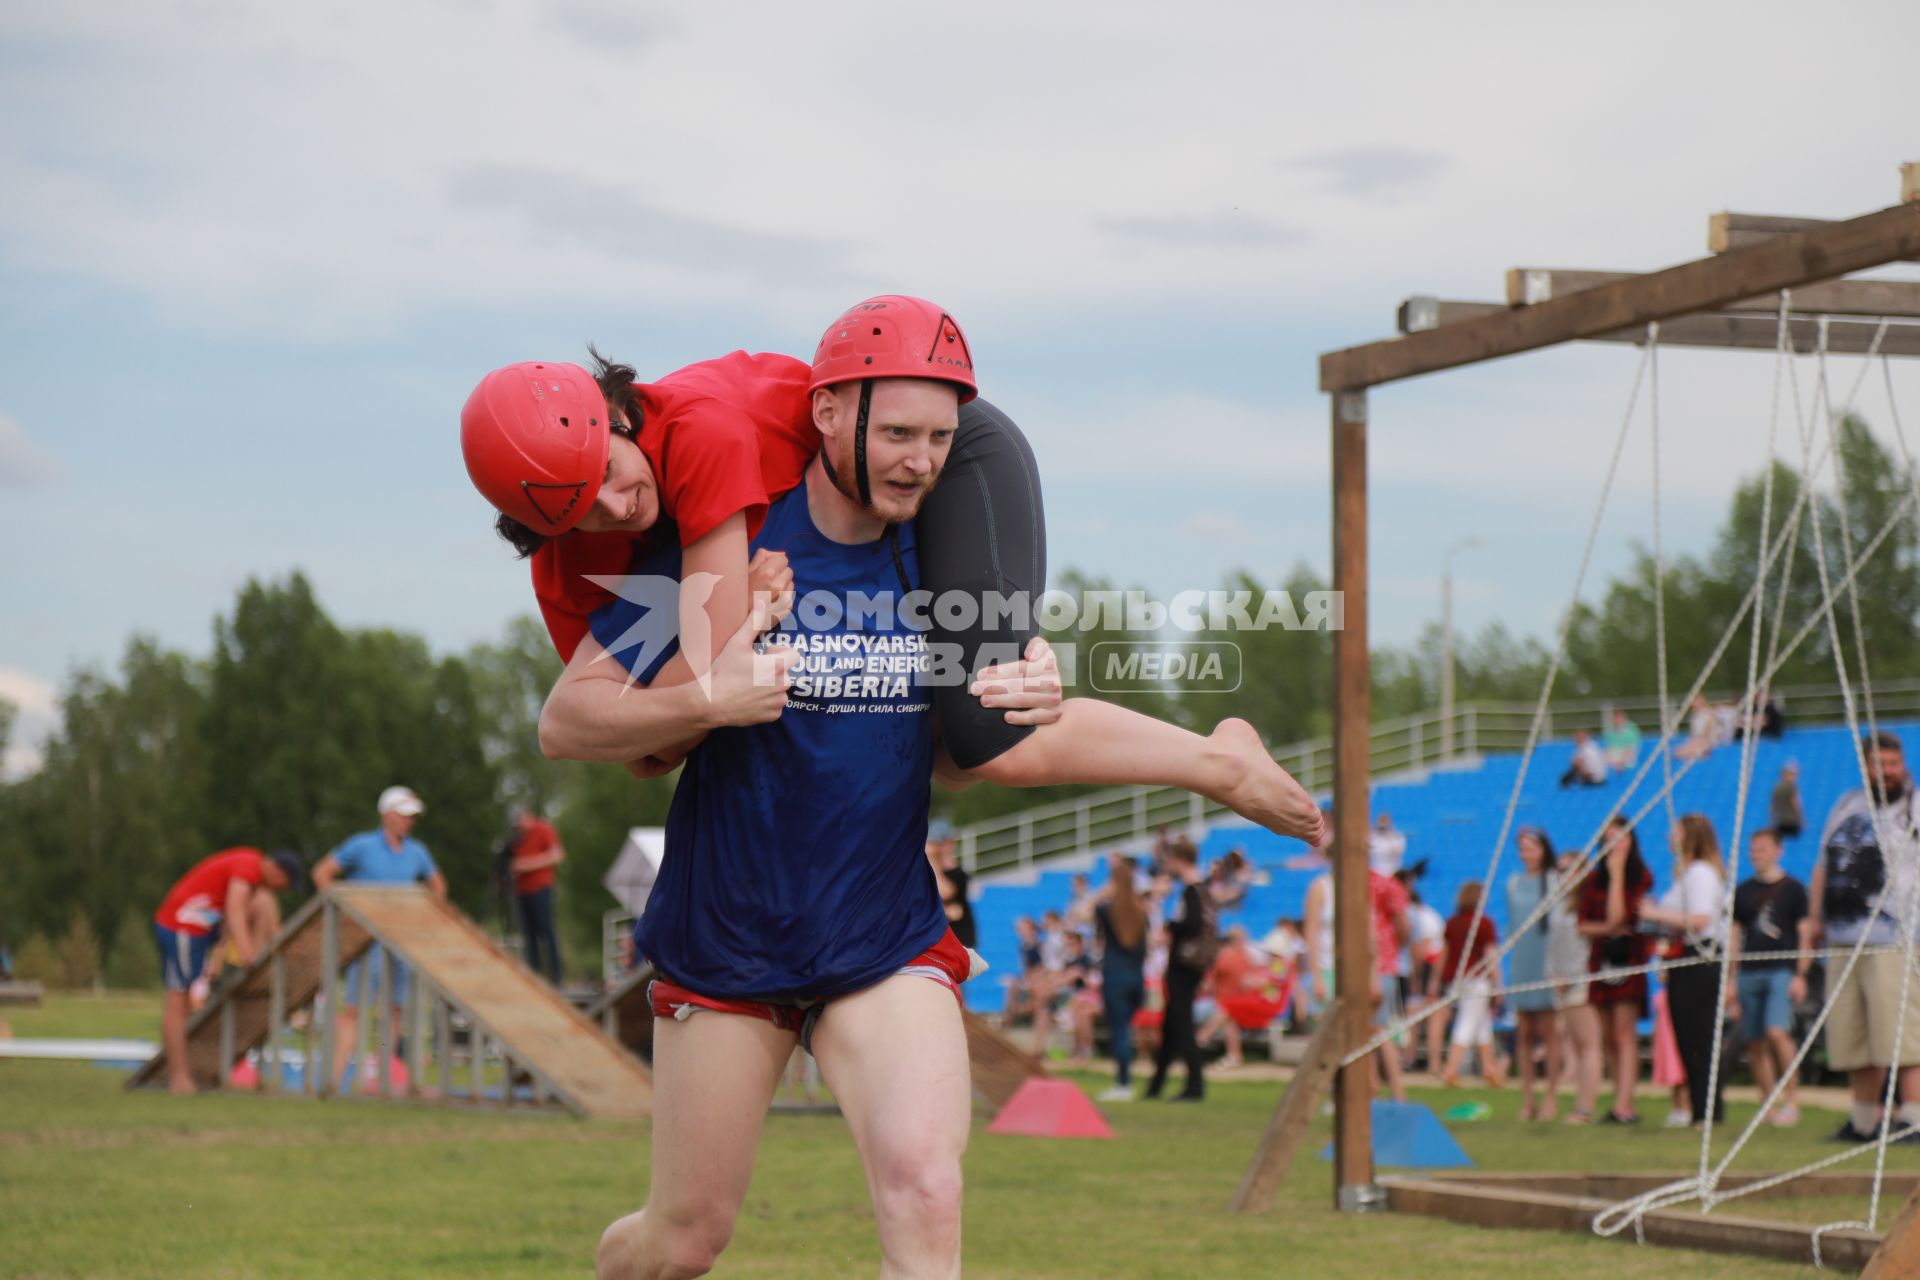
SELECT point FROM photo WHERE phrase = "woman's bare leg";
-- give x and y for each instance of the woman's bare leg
(1098, 742)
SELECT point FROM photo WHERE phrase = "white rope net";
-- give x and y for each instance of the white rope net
(1773, 557)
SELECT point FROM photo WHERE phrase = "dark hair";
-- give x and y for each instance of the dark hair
(1881, 740)
(616, 384)
(1770, 833)
(1180, 849)
(1636, 865)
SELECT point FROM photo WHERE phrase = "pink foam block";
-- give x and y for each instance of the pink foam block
(1050, 1109)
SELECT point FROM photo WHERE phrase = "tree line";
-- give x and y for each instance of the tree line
(284, 734)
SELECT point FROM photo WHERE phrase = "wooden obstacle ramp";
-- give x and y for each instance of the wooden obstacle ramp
(546, 1051)
(1570, 1201)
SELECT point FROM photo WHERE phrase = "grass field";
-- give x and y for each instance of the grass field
(98, 1182)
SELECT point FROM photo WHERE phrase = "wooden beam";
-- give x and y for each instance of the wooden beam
(1730, 331)
(1898, 1256)
(1729, 231)
(1460, 1201)
(1352, 713)
(1529, 285)
(1301, 1098)
(1707, 284)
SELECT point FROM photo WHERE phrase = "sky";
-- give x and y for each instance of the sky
(253, 257)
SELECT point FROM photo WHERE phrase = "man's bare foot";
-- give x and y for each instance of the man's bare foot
(1263, 791)
(181, 1088)
(619, 1255)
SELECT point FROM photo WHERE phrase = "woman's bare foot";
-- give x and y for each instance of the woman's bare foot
(1264, 792)
(181, 1088)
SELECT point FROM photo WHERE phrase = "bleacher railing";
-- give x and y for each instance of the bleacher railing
(1124, 816)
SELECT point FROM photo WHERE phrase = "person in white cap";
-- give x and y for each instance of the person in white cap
(386, 855)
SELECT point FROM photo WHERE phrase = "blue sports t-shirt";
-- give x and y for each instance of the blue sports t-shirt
(367, 858)
(795, 863)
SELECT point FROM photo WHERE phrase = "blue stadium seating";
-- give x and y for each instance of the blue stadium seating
(1451, 818)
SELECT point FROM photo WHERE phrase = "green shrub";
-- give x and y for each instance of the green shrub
(131, 962)
(79, 955)
(38, 962)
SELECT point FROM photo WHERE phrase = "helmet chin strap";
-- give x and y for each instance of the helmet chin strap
(860, 445)
(862, 484)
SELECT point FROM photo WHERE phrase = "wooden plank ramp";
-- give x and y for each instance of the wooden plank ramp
(517, 1009)
(455, 966)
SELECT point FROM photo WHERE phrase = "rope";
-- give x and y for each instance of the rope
(1564, 884)
(1905, 917)
(1559, 657)
(1659, 562)
(1749, 748)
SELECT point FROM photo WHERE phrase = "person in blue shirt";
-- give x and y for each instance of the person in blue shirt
(386, 855)
(795, 892)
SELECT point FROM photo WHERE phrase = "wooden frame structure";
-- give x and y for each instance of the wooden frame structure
(486, 1030)
(1727, 300)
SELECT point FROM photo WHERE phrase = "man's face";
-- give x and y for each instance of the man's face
(1765, 852)
(272, 878)
(629, 497)
(1890, 772)
(910, 427)
(398, 825)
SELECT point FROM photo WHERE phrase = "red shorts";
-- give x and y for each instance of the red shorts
(945, 962)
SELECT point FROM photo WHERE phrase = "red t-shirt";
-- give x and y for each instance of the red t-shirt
(537, 837)
(722, 436)
(1484, 940)
(198, 900)
(1390, 901)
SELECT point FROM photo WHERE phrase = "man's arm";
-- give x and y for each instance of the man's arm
(595, 713)
(235, 918)
(325, 872)
(437, 885)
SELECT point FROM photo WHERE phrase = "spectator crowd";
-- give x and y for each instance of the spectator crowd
(1613, 969)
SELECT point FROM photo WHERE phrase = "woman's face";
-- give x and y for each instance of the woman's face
(629, 497)
(1531, 854)
(1616, 838)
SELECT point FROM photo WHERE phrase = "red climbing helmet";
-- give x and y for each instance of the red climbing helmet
(535, 438)
(892, 336)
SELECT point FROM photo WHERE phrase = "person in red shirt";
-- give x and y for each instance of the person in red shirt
(581, 464)
(1473, 1016)
(1392, 930)
(536, 852)
(232, 892)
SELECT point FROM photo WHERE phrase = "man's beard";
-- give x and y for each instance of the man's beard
(1885, 792)
(848, 486)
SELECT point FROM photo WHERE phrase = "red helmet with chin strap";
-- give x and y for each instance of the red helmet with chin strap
(893, 336)
(535, 437)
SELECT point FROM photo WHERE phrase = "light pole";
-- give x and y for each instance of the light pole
(1446, 644)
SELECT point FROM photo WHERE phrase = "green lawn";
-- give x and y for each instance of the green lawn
(97, 1182)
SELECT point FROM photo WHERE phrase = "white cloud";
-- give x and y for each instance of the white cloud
(1216, 526)
(38, 715)
(24, 462)
(296, 170)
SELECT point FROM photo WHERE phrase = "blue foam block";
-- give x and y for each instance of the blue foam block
(1407, 1135)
